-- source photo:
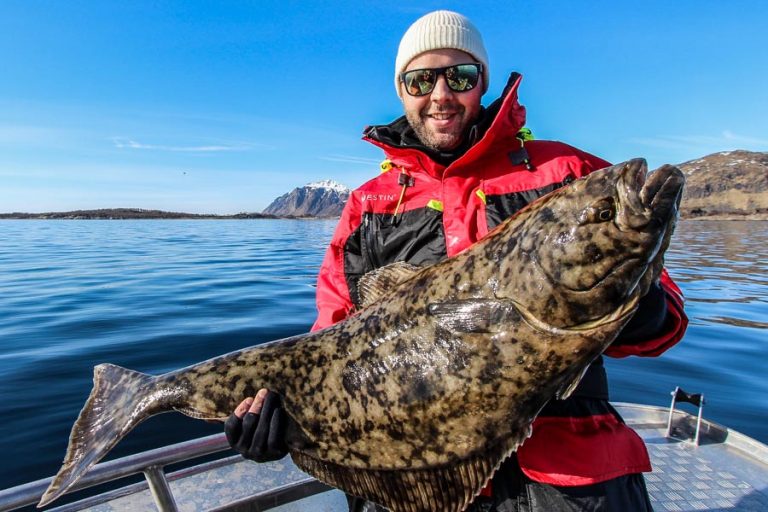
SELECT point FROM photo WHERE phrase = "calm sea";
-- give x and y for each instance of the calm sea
(158, 295)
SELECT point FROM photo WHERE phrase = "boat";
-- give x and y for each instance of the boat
(697, 465)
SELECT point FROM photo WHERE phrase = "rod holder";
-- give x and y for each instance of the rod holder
(697, 399)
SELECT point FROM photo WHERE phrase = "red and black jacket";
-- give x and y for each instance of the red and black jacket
(425, 207)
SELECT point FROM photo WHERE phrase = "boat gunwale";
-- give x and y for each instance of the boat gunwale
(639, 416)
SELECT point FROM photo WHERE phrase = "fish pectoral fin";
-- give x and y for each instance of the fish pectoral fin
(375, 284)
(199, 415)
(474, 315)
(570, 385)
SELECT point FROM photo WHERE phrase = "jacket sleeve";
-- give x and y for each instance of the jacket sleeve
(332, 296)
(589, 162)
(658, 324)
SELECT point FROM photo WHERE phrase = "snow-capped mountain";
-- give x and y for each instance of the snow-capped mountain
(329, 184)
(319, 199)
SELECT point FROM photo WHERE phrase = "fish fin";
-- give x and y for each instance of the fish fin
(448, 488)
(198, 415)
(120, 400)
(376, 283)
(569, 386)
(474, 315)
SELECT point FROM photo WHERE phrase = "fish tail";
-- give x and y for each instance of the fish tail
(120, 400)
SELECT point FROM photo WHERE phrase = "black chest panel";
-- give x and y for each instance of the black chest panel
(415, 236)
(499, 208)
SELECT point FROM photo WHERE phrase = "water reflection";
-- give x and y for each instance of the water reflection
(736, 322)
(737, 250)
(720, 263)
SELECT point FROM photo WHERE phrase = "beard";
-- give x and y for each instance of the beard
(442, 139)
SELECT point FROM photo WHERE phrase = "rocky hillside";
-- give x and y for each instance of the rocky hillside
(731, 184)
(321, 199)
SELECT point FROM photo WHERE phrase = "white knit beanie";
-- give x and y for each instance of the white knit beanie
(438, 30)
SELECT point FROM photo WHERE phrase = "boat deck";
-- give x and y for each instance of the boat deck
(727, 471)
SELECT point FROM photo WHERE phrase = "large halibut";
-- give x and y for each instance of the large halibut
(415, 400)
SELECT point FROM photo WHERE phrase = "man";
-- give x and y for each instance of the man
(454, 170)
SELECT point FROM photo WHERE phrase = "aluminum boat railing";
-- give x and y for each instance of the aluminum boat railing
(152, 464)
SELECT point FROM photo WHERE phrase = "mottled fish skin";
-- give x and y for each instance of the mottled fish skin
(445, 370)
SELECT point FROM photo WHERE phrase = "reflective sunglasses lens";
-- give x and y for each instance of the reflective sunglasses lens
(463, 77)
(459, 78)
(419, 82)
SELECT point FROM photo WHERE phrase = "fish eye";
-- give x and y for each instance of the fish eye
(603, 210)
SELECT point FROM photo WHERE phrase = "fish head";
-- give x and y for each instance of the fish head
(593, 247)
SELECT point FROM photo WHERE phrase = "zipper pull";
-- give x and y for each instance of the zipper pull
(406, 181)
(520, 156)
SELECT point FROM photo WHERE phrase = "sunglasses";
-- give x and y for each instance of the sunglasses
(460, 78)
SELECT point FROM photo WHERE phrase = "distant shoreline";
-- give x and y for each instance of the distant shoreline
(751, 216)
(139, 214)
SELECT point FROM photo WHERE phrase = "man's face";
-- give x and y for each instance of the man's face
(441, 118)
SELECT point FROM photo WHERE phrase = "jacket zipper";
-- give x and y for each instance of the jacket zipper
(368, 241)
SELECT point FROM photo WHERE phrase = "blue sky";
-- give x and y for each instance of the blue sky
(219, 107)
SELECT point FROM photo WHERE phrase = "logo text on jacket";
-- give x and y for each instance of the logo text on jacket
(378, 197)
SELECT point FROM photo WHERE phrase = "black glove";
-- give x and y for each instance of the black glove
(260, 437)
(649, 319)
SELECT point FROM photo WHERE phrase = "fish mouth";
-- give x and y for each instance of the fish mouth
(648, 200)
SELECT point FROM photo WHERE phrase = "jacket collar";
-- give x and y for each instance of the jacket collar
(497, 126)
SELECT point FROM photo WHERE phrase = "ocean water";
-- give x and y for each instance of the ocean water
(157, 295)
